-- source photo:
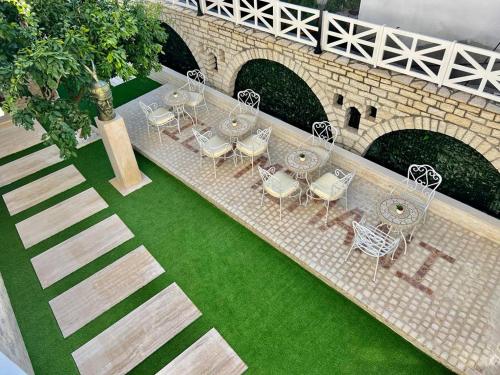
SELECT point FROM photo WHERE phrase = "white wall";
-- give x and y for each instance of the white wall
(462, 20)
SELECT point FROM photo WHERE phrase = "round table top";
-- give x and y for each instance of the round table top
(236, 129)
(387, 212)
(175, 98)
(308, 163)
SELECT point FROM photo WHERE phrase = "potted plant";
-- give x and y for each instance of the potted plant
(399, 209)
(302, 157)
(234, 122)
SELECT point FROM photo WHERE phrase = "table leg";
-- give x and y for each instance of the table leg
(404, 240)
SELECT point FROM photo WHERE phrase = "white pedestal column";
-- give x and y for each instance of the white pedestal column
(128, 177)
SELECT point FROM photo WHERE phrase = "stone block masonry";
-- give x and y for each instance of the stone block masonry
(402, 102)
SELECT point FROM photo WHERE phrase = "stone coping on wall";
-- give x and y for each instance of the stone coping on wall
(442, 205)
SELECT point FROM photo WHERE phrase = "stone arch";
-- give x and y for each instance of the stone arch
(195, 47)
(483, 146)
(236, 63)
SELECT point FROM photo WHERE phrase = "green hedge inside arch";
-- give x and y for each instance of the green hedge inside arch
(467, 175)
(176, 54)
(283, 93)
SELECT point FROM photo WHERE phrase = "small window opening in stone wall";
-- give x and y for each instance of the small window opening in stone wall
(338, 100)
(212, 62)
(353, 117)
(372, 113)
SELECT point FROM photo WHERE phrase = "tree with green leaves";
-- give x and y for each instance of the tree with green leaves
(46, 47)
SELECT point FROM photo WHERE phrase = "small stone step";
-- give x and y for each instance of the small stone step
(29, 164)
(14, 138)
(211, 354)
(59, 217)
(133, 338)
(67, 257)
(93, 296)
(42, 189)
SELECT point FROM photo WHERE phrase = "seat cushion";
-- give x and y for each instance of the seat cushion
(193, 98)
(328, 187)
(247, 117)
(216, 147)
(160, 116)
(281, 186)
(322, 152)
(252, 146)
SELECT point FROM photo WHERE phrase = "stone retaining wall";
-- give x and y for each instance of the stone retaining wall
(221, 48)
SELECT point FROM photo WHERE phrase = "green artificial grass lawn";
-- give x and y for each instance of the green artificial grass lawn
(279, 318)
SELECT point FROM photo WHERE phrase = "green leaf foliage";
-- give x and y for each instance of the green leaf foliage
(46, 45)
(467, 175)
(283, 93)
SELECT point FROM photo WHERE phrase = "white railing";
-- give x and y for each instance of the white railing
(459, 66)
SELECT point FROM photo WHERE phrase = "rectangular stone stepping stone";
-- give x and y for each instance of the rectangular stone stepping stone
(77, 251)
(28, 164)
(59, 217)
(93, 296)
(211, 354)
(44, 188)
(133, 338)
(14, 138)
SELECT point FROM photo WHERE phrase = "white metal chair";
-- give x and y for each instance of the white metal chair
(323, 139)
(255, 145)
(159, 117)
(330, 187)
(372, 242)
(420, 184)
(213, 147)
(247, 108)
(278, 185)
(194, 89)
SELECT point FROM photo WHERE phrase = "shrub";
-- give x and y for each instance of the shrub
(283, 93)
(176, 54)
(467, 175)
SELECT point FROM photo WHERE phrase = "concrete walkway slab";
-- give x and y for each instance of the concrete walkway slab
(133, 338)
(59, 217)
(93, 296)
(14, 138)
(79, 250)
(42, 189)
(211, 354)
(29, 164)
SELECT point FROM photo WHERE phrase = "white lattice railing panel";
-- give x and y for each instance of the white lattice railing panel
(259, 14)
(297, 23)
(474, 70)
(350, 37)
(414, 54)
(191, 4)
(222, 9)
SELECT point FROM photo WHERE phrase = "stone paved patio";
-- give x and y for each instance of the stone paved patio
(442, 295)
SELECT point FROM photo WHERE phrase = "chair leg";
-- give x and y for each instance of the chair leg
(376, 268)
(280, 208)
(159, 135)
(262, 197)
(215, 169)
(268, 157)
(195, 116)
(327, 210)
(178, 126)
(349, 253)
(252, 165)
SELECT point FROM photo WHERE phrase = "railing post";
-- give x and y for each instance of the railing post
(447, 65)
(276, 17)
(201, 7)
(321, 7)
(378, 53)
(236, 10)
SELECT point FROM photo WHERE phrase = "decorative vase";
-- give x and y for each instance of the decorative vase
(302, 157)
(399, 209)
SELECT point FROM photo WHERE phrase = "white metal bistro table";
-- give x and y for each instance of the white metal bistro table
(235, 129)
(399, 214)
(177, 101)
(302, 162)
